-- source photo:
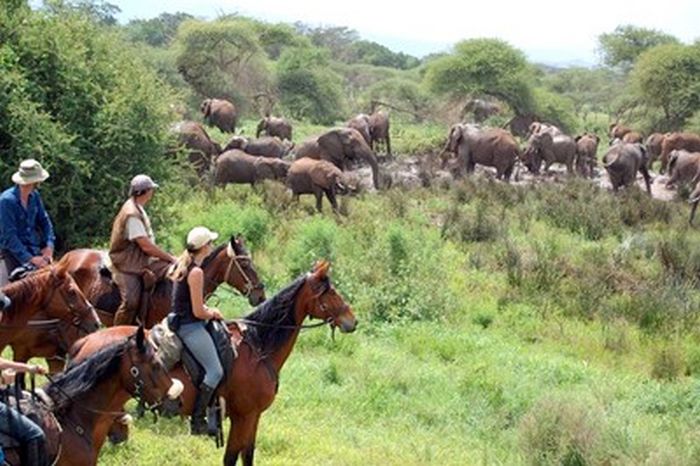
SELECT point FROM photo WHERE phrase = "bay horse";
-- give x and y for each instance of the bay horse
(99, 386)
(50, 293)
(272, 331)
(228, 263)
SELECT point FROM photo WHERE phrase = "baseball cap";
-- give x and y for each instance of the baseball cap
(199, 236)
(141, 183)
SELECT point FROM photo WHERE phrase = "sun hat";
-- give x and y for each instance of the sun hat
(199, 236)
(30, 171)
(141, 183)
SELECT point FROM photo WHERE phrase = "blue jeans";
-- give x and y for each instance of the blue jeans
(198, 341)
(17, 425)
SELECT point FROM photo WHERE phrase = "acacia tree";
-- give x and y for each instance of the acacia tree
(625, 44)
(483, 67)
(668, 77)
(221, 58)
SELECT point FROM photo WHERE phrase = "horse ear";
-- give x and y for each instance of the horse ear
(140, 338)
(321, 269)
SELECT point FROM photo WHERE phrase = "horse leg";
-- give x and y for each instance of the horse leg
(241, 439)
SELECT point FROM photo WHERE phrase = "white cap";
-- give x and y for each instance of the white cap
(199, 236)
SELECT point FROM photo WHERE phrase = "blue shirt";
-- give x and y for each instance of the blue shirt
(24, 232)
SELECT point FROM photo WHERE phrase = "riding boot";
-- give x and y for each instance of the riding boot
(35, 453)
(198, 422)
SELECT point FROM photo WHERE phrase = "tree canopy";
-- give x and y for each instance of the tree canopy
(626, 43)
(483, 67)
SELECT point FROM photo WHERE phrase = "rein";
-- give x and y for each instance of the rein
(255, 323)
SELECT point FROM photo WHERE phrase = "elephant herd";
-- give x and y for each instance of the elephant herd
(627, 155)
(315, 166)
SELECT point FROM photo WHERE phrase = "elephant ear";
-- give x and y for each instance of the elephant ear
(206, 107)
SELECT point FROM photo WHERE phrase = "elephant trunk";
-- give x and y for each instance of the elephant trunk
(375, 171)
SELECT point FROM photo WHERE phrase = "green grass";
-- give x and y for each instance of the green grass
(495, 327)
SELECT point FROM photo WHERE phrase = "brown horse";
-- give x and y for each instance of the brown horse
(230, 263)
(49, 293)
(272, 331)
(99, 386)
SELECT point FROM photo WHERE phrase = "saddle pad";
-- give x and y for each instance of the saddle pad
(40, 413)
(168, 343)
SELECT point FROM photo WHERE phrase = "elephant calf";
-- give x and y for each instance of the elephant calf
(675, 141)
(236, 166)
(274, 126)
(220, 113)
(623, 161)
(586, 151)
(264, 147)
(543, 146)
(310, 176)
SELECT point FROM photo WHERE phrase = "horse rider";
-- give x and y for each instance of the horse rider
(189, 317)
(26, 233)
(13, 423)
(138, 261)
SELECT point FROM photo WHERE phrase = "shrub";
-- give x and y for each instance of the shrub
(315, 240)
(668, 363)
(562, 431)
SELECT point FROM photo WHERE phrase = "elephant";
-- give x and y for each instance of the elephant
(235, 166)
(480, 109)
(684, 167)
(220, 113)
(360, 122)
(520, 124)
(202, 150)
(623, 161)
(653, 144)
(537, 127)
(694, 199)
(543, 145)
(586, 153)
(274, 126)
(311, 176)
(493, 147)
(265, 146)
(633, 137)
(379, 130)
(617, 130)
(674, 141)
(340, 146)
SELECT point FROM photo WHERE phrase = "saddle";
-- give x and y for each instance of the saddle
(38, 407)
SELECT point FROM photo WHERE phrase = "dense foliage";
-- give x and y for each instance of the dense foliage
(80, 102)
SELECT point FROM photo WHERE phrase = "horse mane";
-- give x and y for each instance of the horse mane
(278, 310)
(27, 291)
(82, 377)
(212, 255)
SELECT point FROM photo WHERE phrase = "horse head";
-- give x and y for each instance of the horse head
(67, 302)
(235, 267)
(143, 373)
(325, 302)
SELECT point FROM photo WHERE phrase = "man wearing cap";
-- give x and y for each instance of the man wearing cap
(26, 232)
(133, 251)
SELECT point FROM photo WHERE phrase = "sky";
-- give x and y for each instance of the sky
(548, 31)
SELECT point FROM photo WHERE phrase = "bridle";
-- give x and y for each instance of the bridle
(77, 320)
(249, 287)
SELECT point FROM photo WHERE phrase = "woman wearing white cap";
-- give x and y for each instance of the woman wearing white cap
(189, 317)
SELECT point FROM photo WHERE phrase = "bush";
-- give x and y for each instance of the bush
(562, 431)
(668, 363)
(315, 240)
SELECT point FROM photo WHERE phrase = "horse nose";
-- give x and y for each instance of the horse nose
(348, 325)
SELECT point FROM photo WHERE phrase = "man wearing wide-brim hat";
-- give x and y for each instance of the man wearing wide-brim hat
(26, 232)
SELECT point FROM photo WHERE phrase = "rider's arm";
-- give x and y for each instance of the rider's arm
(20, 367)
(195, 280)
(9, 219)
(148, 247)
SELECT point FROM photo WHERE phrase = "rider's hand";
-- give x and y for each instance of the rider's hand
(216, 314)
(38, 261)
(34, 369)
(47, 253)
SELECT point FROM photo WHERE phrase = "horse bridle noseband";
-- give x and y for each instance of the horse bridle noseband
(249, 287)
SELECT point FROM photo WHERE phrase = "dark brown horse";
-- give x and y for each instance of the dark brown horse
(228, 263)
(49, 293)
(98, 387)
(272, 331)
